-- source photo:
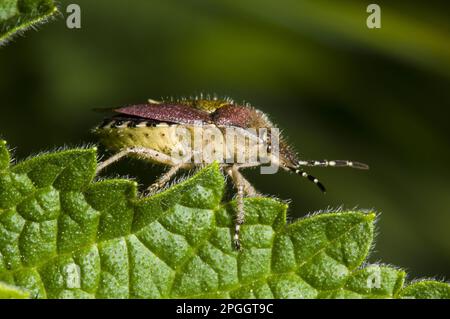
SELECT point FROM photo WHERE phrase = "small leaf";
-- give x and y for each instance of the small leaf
(17, 16)
(64, 236)
(426, 289)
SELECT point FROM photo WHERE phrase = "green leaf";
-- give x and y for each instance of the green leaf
(426, 289)
(17, 16)
(11, 292)
(64, 235)
(373, 281)
(4, 156)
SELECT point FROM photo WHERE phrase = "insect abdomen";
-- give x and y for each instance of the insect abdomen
(205, 143)
(158, 137)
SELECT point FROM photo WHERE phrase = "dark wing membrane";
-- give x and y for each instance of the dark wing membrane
(173, 113)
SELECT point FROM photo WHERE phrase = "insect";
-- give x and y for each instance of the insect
(164, 132)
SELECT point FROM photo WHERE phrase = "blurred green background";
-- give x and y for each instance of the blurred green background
(338, 90)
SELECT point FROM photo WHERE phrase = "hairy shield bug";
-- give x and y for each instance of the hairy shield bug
(186, 133)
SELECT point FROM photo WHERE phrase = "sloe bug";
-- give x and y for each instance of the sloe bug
(153, 131)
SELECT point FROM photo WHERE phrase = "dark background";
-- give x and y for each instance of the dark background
(338, 90)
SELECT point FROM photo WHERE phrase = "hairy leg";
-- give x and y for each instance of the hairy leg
(162, 180)
(154, 156)
(142, 152)
(243, 188)
(235, 175)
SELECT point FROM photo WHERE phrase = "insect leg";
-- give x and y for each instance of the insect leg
(164, 179)
(184, 162)
(142, 152)
(240, 183)
(333, 163)
(249, 190)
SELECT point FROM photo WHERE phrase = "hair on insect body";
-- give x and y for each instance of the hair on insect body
(191, 132)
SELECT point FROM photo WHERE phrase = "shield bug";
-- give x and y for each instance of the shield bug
(186, 133)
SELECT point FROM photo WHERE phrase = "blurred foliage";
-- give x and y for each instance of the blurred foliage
(336, 88)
